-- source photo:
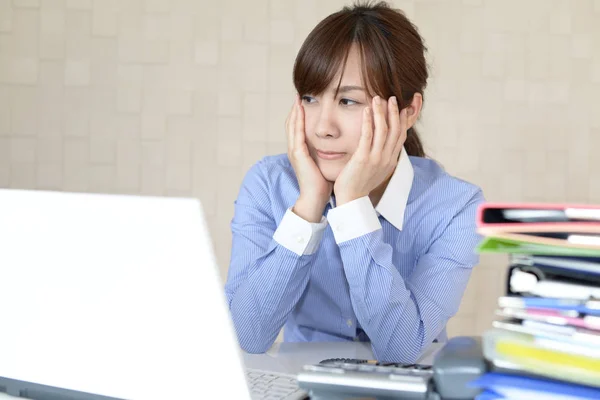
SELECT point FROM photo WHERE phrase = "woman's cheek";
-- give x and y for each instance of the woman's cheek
(354, 131)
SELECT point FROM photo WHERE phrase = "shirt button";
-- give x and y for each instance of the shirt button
(349, 322)
(300, 239)
(339, 227)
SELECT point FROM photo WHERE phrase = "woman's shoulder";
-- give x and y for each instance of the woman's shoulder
(431, 179)
(275, 162)
(269, 170)
(272, 164)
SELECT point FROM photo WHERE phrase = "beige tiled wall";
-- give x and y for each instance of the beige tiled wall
(180, 97)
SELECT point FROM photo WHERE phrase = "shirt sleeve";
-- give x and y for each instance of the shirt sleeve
(402, 317)
(354, 219)
(298, 235)
(265, 279)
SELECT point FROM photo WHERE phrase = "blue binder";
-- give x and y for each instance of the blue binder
(489, 395)
(521, 387)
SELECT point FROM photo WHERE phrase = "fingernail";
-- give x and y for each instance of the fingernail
(377, 100)
(394, 101)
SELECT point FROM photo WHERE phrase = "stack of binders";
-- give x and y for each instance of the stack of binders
(546, 340)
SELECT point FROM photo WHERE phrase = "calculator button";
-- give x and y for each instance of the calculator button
(399, 371)
(316, 368)
(416, 372)
(403, 377)
(366, 368)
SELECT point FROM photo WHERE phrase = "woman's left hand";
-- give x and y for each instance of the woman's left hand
(377, 154)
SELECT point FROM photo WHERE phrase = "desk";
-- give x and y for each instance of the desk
(291, 357)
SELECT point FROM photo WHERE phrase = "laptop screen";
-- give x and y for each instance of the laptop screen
(113, 295)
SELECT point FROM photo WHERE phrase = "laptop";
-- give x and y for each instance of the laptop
(112, 297)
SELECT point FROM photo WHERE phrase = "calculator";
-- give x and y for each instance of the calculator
(456, 364)
(342, 378)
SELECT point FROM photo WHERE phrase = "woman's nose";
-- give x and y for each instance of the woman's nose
(326, 126)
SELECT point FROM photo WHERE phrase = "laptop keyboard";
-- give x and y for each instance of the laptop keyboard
(268, 385)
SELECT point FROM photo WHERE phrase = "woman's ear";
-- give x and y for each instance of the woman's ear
(414, 109)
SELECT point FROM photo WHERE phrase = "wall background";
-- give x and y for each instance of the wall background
(180, 97)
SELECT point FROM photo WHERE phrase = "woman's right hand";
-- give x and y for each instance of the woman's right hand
(315, 190)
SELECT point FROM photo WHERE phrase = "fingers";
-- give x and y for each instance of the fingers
(290, 124)
(381, 127)
(299, 134)
(394, 127)
(402, 129)
(366, 133)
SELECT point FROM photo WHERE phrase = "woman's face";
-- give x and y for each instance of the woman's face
(333, 124)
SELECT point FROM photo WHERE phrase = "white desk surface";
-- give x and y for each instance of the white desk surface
(291, 357)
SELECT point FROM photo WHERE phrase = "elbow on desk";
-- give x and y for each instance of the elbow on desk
(409, 350)
(250, 335)
(404, 352)
(254, 346)
(252, 341)
(402, 356)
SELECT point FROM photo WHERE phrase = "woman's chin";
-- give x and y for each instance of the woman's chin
(330, 169)
(330, 174)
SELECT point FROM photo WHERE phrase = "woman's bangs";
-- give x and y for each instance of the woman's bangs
(322, 56)
(375, 62)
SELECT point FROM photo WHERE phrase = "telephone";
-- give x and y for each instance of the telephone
(457, 363)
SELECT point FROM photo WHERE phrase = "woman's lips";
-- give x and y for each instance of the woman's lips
(330, 155)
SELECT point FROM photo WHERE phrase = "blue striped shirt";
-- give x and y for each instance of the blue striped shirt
(395, 286)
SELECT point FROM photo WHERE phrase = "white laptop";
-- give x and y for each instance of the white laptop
(106, 296)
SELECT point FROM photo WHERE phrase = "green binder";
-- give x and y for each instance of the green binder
(492, 244)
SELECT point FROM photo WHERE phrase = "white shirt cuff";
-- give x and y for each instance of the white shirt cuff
(353, 219)
(298, 235)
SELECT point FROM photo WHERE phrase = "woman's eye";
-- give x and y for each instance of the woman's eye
(348, 102)
(308, 99)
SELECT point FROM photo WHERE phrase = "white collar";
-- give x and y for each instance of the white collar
(392, 204)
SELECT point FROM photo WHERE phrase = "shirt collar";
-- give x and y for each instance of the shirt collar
(395, 197)
(392, 204)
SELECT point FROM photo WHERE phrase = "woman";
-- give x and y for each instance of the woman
(354, 234)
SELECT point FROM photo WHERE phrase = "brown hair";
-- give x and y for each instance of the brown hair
(392, 56)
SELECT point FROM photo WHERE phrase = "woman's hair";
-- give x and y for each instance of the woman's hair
(391, 50)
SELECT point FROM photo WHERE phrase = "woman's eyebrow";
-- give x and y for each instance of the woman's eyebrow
(349, 88)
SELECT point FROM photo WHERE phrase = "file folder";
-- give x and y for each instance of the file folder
(545, 357)
(549, 316)
(581, 268)
(534, 216)
(531, 283)
(495, 244)
(591, 307)
(521, 387)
